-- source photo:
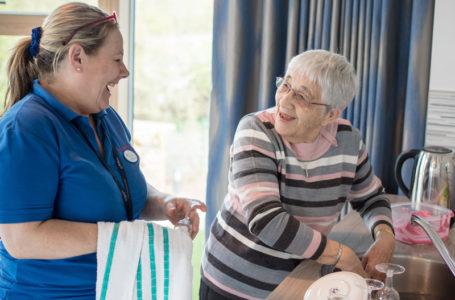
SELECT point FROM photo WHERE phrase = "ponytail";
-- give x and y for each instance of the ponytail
(40, 55)
(22, 71)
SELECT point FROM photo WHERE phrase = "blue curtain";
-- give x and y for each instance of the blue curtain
(387, 41)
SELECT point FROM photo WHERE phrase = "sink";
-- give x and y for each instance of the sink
(423, 279)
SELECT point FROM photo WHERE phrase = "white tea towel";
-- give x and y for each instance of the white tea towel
(143, 260)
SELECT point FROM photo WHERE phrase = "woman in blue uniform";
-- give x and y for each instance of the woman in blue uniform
(66, 159)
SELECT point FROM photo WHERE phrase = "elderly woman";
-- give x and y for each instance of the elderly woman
(292, 169)
(66, 158)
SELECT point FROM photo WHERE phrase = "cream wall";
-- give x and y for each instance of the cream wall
(440, 126)
(442, 73)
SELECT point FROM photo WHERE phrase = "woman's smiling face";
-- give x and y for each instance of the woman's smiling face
(104, 70)
(295, 120)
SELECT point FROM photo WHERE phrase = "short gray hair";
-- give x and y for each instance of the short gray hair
(332, 72)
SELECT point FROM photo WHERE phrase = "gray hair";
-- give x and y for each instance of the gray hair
(331, 72)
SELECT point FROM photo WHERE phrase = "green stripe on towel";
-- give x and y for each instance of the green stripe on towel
(110, 256)
(166, 262)
(152, 260)
(139, 280)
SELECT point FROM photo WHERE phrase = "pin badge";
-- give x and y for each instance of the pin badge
(130, 156)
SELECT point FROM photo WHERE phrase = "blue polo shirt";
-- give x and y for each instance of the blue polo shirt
(48, 170)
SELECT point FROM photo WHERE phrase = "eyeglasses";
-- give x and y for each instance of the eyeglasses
(284, 87)
(113, 17)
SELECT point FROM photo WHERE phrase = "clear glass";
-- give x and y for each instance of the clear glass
(284, 87)
(186, 222)
(388, 292)
(373, 285)
(40, 6)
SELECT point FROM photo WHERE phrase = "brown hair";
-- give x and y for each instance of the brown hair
(23, 68)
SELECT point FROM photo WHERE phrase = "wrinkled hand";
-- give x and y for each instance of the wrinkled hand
(177, 208)
(379, 252)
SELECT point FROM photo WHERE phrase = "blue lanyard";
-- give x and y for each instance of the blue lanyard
(125, 190)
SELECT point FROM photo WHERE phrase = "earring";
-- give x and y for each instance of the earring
(78, 69)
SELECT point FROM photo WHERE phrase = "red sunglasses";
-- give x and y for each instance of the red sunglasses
(113, 17)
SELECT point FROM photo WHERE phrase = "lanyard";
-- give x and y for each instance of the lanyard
(125, 190)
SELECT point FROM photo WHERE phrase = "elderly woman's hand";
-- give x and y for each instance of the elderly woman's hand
(380, 251)
(347, 260)
(178, 209)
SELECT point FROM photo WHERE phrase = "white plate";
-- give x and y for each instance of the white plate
(349, 284)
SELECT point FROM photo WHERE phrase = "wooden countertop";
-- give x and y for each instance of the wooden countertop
(352, 232)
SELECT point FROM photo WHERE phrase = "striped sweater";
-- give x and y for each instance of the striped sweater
(282, 201)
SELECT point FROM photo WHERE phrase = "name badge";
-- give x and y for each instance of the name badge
(130, 156)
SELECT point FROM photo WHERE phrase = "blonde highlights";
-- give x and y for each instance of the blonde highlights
(23, 68)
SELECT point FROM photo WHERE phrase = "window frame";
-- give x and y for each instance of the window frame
(19, 23)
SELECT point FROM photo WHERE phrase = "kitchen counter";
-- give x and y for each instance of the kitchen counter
(352, 232)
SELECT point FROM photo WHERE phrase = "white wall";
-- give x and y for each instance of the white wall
(442, 73)
(440, 129)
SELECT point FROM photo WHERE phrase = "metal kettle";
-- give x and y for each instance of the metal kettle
(431, 177)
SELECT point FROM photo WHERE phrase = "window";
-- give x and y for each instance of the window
(172, 53)
(6, 44)
(33, 6)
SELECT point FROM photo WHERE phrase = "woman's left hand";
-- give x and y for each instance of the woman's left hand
(177, 209)
(380, 251)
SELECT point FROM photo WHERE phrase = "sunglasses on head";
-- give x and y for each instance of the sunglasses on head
(112, 17)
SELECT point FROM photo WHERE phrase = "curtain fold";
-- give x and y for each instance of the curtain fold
(387, 41)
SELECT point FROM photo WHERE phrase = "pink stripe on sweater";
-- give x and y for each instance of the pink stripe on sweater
(256, 185)
(252, 147)
(314, 245)
(362, 158)
(317, 178)
(235, 203)
(267, 115)
(344, 122)
(227, 289)
(324, 229)
(253, 196)
(318, 219)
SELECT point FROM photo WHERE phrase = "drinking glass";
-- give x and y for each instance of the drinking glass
(373, 285)
(186, 222)
(388, 292)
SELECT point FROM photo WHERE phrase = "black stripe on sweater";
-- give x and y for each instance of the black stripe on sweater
(360, 204)
(376, 204)
(268, 125)
(288, 235)
(248, 154)
(307, 203)
(360, 180)
(252, 255)
(240, 227)
(222, 267)
(342, 127)
(259, 225)
(361, 164)
(321, 247)
(218, 290)
(318, 184)
(264, 207)
(254, 171)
